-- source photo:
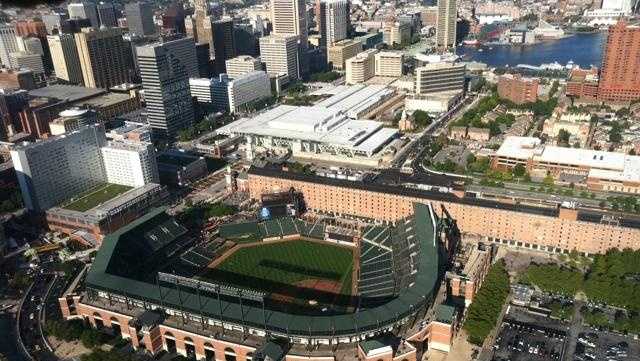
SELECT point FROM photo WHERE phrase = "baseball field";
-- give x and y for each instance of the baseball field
(287, 269)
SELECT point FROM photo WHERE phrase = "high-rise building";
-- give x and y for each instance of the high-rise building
(395, 32)
(84, 10)
(105, 58)
(203, 58)
(8, 43)
(107, 14)
(440, 77)
(173, 17)
(333, 21)
(30, 45)
(31, 27)
(31, 61)
(361, 67)
(224, 45)
(53, 21)
(59, 168)
(140, 18)
(234, 94)
(241, 65)
(280, 55)
(620, 75)
(518, 89)
(130, 163)
(202, 89)
(165, 69)
(338, 53)
(64, 53)
(389, 63)
(446, 28)
(54, 170)
(289, 17)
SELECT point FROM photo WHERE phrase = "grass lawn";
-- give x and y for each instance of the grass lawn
(95, 196)
(270, 267)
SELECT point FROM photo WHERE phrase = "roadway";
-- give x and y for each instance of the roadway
(39, 303)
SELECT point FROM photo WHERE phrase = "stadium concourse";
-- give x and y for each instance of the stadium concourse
(283, 289)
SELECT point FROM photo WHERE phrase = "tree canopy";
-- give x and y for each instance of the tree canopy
(487, 305)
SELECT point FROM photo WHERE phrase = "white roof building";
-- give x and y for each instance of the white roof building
(597, 164)
(313, 129)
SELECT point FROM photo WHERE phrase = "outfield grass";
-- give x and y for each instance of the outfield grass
(270, 267)
(96, 196)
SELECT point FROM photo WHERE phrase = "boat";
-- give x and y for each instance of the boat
(471, 42)
(480, 50)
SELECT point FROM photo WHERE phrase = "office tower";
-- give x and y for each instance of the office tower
(165, 69)
(8, 43)
(361, 67)
(395, 32)
(289, 17)
(30, 45)
(54, 170)
(202, 89)
(140, 18)
(446, 29)
(53, 21)
(130, 163)
(241, 65)
(173, 18)
(24, 60)
(280, 54)
(75, 25)
(429, 16)
(72, 119)
(224, 45)
(105, 58)
(440, 77)
(233, 95)
(389, 63)
(107, 14)
(620, 75)
(333, 21)
(338, 53)
(203, 55)
(64, 53)
(31, 27)
(84, 10)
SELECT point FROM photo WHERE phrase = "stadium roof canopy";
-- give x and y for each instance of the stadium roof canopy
(142, 247)
(314, 124)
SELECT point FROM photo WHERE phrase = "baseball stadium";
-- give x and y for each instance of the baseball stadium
(283, 288)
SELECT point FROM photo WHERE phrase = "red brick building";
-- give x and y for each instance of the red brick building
(518, 89)
(31, 28)
(620, 76)
(583, 83)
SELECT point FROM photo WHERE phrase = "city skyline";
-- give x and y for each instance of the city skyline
(320, 180)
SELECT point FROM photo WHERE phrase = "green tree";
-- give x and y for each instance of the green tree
(422, 118)
(563, 137)
(519, 170)
(554, 279)
(487, 305)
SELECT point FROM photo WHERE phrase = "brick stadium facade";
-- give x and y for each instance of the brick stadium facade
(545, 229)
(210, 329)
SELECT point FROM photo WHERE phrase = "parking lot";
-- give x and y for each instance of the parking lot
(519, 340)
(601, 345)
